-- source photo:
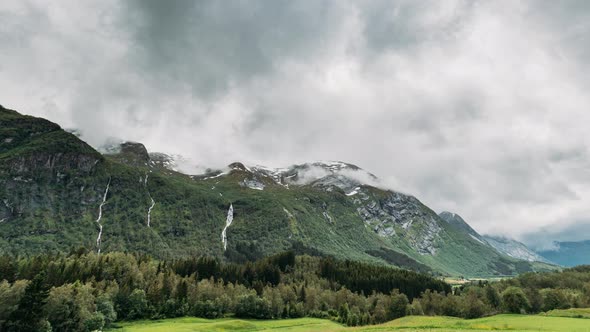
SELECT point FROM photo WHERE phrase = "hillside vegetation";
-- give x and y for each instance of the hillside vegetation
(85, 292)
(58, 194)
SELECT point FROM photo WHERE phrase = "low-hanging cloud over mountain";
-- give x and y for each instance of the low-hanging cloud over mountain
(478, 107)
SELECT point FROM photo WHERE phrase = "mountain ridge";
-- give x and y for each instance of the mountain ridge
(504, 245)
(134, 200)
(569, 253)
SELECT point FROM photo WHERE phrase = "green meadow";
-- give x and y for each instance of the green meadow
(574, 313)
(552, 321)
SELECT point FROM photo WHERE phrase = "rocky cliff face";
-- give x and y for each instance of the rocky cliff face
(53, 162)
(131, 153)
(32, 145)
(514, 249)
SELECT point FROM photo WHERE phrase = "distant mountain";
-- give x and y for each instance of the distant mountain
(506, 246)
(569, 253)
(458, 222)
(57, 194)
(514, 249)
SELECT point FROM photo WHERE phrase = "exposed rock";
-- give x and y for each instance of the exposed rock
(131, 153)
(514, 249)
(238, 166)
(53, 162)
(400, 214)
(252, 184)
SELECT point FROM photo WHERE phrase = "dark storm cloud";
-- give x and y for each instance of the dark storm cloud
(477, 107)
(211, 45)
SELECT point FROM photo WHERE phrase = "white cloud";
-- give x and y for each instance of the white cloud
(474, 107)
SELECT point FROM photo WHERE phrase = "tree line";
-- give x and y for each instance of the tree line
(86, 292)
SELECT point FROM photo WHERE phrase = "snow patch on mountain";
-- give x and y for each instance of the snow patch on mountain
(354, 191)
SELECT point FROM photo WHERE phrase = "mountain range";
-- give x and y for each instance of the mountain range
(570, 253)
(57, 194)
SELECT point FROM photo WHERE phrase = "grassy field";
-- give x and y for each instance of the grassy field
(200, 324)
(413, 323)
(575, 313)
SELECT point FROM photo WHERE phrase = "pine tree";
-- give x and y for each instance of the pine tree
(29, 316)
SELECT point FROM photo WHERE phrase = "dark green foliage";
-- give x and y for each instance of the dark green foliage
(90, 291)
(399, 305)
(366, 278)
(106, 307)
(209, 309)
(492, 297)
(252, 306)
(138, 305)
(555, 299)
(515, 301)
(450, 306)
(472, 305)
(29, 316)
(399, 259)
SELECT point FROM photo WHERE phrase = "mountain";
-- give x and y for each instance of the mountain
(57, 194)
(514, 249)
(569, 253)
(506, 246)
(456, 221)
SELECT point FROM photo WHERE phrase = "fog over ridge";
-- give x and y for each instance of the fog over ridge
(475, 107)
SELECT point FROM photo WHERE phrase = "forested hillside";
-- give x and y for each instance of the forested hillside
(86, 291)
(58, 193)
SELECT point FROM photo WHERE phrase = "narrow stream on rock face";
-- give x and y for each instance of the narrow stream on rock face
(228, 221)
(104, 200)
(149, 213)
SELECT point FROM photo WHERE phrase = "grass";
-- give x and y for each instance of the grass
(574, 313)
(228, 324)
(515, 323)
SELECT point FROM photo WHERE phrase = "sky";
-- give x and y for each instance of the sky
(475, 107)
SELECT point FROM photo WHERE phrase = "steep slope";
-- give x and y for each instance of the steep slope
(456, 221)
(505, 246)
(57, 193)
(569, 253)
(514, 249)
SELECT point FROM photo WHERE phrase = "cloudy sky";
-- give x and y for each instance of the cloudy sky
(477, 107)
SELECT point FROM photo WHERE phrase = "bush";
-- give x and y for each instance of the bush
(95, 322)
(399, 305)
(555, 299)
(514, 300)
(138, 306)
(252, 306)
(107, 309)
(208, 309)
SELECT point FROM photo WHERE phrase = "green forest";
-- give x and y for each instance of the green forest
(84, 291)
